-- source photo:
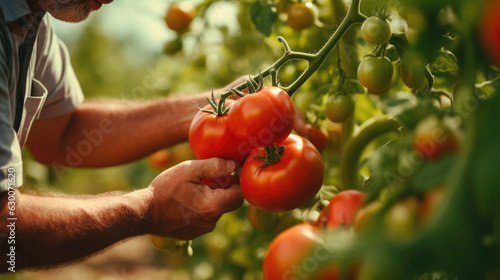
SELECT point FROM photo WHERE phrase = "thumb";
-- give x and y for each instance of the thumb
(211, 168)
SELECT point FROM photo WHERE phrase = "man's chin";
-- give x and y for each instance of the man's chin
(71, 17)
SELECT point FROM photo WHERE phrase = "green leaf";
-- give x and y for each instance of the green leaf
(263, 14)
(445, 62)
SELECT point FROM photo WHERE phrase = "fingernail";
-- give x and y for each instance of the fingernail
(230, 165)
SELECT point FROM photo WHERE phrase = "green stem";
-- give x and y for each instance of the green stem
(352, 150)
(315, 60)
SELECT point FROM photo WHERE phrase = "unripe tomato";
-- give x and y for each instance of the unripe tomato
(159, 160)
(264, 118)
(180, 15)
(286, 255)
(413, 72)
(163, 243)
(342, 209)
(261, 220)
(432, 138)
(339, 107)
(375, 30)
(375, 73)
(401, 220)
(318, 137)
(365, 214)
(286, 184)
(489, 31)
(301, 16)
(210, 136)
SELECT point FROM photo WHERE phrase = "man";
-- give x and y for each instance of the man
(40, 97)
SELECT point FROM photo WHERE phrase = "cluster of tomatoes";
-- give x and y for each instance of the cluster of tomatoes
(301, 251)
(280, 171)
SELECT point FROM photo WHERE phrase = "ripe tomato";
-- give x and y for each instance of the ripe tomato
(261, 220)
(342, 209)
(287, 254)
(301, 16)
(375, 73)
(220, 182)
(287, 184)
(318, 137)
(159, 160)
(264, 118)
(375, 30)
(339, 108)
(210, 136)
(432, 199)
(432, 138)
(413, 72)
(489, 31)
(180, 15)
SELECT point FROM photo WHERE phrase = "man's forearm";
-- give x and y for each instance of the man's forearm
(53, 230)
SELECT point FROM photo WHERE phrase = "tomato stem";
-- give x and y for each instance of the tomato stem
(352, 150)
(273, 155)
(353, 17)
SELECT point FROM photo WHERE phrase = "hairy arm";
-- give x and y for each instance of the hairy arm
(107, 133)
(51, 230)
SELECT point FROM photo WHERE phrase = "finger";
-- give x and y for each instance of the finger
(301, 124)
(229, 199)
(210, 168)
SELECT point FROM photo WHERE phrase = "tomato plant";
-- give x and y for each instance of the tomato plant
(179, 16)
(376, 30)
(210, 136)
(301, 16)
(375, 73)
(286, 184)
(339, 107)
(264, 118)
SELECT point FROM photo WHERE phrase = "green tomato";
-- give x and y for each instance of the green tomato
(375, 73)
(376, 31)
(413, 72)
(339, 108)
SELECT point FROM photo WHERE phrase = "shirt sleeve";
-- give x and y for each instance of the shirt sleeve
(53, 69)
(10, 152)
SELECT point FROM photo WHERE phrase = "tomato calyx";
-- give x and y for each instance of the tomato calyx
(219, 107)
(273, 155)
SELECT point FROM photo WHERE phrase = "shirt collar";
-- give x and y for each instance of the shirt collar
(14, 9)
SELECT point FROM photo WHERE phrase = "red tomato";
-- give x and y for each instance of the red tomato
(159, 160)
(288, 254)
(220, 182)
(264, 118)
(489, 31)
(287, 184)
(342, 209)
(432, 138)
(210, 136)
(318, 137)
(180, 15)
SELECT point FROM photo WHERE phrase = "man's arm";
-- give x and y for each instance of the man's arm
(53, 230)
(109, 133)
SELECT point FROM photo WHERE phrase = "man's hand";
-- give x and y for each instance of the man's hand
(183, 208)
